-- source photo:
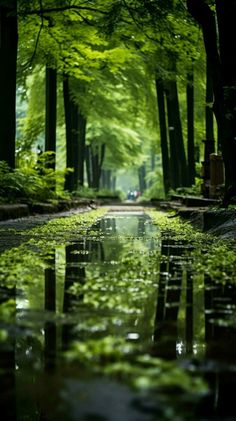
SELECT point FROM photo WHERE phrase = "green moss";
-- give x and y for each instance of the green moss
(25, 264)
(211, 256)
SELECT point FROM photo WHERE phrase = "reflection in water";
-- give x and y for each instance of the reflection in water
(50, 330)
(195, 318)
(74, 274)
(119, 281)
(7, 368)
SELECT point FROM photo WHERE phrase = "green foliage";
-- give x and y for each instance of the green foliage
(35, 183)
(111, 194)
(155, 181)
(111, 51)
(86, 192)
(25, 264)
(170, 224)
(194, 190)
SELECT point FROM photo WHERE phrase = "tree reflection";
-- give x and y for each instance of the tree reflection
(7, 368)
(168, 301)
(75, 273)
(50, 330)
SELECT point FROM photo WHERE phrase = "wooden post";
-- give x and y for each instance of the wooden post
(217, 177)
(205, 170)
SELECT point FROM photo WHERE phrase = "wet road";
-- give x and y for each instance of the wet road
(145, 339)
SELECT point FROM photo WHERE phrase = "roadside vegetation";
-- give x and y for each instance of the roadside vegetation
(211, 256)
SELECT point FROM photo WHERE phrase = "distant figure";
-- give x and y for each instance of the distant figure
(130, 195)
(133, 194)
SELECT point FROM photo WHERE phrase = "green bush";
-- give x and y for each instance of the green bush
(86, 192)
(32, 183)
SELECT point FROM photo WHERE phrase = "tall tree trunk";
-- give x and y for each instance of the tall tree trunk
(223, 78)
(88, 164)
(103, 179)
(173, 107)
(95, 167)
(81, 153)
(8, 58)
(226, 12)
(51, 114)
(209, 117)
(142, 180)
(163, 134)
(97, 158)
(69, 149)
(113, 183)
(106, 179)
(190, 126)
(209, 143)
(175, 176)
(74, 110)
(109, 180)
(153, 159)
(72, 144)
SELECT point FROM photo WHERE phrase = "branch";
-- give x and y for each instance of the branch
(62, 9)
(202, 13)
(131, 12)
(37, 39)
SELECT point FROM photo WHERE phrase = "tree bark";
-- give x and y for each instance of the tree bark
(74, 110)
(142, 180)
(51, 114)
(95, 167)
(88, 164)
(97, 158)
(163, 134)
(223, 78)
(190, 127)
(106, 179)
(81, 153)
(174, 167)
(209, 117)
(226, 12)
(75, 125)
(113, 183)
(178, 163)
(69, 181)
(179, 135)
(8, 58)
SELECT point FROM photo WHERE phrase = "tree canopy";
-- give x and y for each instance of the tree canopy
(112, 53)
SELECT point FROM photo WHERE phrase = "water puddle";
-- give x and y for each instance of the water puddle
(113, 326)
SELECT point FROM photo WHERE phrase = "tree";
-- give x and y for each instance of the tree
(51, 113)
(190, 126)
(222, 68)
(163, 133)
(71, 122)
(8, 56)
